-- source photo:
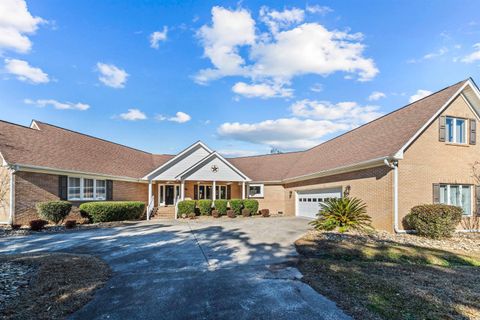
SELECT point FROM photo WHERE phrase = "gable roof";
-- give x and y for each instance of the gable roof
(57, 148)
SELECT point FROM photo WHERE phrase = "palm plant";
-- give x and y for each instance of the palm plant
(344, 214)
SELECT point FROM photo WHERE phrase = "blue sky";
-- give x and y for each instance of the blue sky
(241, 76)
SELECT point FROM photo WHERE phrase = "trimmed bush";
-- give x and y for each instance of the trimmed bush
(54, 211)
(221, 206)
(16, 226)
(205, 207)
(216, 214)
(38, 224)
(231, 214)
(251, 205)
(434, 220)
(186, 207)
(70, 224)
(265, 213)
(246, 212)
(236, 205)
(344, 214)
(106, 211)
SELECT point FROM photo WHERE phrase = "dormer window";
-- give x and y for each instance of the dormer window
(456, 130)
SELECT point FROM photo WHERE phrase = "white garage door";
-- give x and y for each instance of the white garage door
(308, 202)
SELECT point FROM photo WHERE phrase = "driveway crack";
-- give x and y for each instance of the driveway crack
(198, 243)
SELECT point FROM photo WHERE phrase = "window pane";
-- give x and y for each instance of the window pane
(254, 190)
(88, 188)
(208, 192)
(73, 188)
(201, 192)
(449, 129)
(443, 195)
(223, 192)
(455, 195)
(101, 189)
(460, 130)
(466, 200)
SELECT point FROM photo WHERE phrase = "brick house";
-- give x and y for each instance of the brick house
(421, 153)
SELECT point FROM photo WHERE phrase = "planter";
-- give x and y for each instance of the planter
(231, 214)
(246, 213)
(265, 213)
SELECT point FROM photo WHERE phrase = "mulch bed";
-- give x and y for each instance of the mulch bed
(386, 276)
(48, 285)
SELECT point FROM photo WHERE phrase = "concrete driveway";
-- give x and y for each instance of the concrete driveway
(215, 269)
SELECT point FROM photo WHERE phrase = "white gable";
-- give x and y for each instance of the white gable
(223, 171)
(182, 162)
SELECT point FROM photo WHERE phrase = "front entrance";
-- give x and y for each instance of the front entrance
(168, 193)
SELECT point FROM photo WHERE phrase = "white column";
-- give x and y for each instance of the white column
(243, 189)
(182, 190)
(214, 194)
(150, 193)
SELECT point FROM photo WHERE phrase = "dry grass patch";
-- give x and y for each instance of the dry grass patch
(373, 279)
(58, 285)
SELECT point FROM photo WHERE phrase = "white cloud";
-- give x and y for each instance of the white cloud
(261, 90)
(58, 105)
(376, 95)
(233, 153)
(440, 52)
(286, 133)
(180, 117)
(348, 112)
(16, 22)
(419, 95)
(157, 37)
(24, 72)
(277, 20)
(317, 87)
(278, 57)
(111, 75)
(318, 9)
(474, 56)
(133, 115)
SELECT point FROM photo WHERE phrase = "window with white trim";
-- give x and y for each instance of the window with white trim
(255, 190)
(456, 130)
(457, 195)
(86, 189)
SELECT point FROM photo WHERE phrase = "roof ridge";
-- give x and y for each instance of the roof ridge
(93, 137)
(17, 124)
(387, 114)
(266, 154)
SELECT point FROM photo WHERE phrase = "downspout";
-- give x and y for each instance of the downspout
(394, 165)
(12, 195)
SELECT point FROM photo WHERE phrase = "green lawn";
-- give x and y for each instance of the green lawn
(387, 280)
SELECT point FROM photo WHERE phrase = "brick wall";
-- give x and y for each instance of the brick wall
(273, 199)
(374, 186)
(31, 188)
(428, 161)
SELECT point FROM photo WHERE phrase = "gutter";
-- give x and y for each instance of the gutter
(13, 170)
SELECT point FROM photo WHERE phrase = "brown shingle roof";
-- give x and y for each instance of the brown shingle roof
(59, 148)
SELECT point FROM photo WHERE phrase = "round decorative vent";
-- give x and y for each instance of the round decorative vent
(214, 168)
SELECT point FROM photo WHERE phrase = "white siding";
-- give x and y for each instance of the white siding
(224, 173)
(180, 165)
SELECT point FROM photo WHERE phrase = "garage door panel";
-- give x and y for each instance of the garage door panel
(309, 201)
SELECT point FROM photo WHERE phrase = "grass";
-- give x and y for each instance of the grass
(388, 280)
(60, 285)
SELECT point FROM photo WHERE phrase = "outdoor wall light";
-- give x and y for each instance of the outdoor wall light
(346, 193)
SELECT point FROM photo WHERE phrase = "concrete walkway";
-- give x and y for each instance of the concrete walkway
(201, 269)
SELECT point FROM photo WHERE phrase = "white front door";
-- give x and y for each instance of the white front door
(308, 201)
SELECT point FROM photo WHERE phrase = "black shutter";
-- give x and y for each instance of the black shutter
(477, 200)
(229, 192)
(109, 190)
(63, 187)
(195, 192)
(473, 131)
(441, 128)
(436, 193)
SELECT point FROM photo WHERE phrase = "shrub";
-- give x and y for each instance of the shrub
(106, 211)
(216, 214)
(434, 220)
(246, 212)
(236, 205)
(186, 207)
(38, 224)
(265, 213)
(16, 226)
(70, 224)
(251, 205)
(343, 214)
(205, 207)
(231, 214)
(221, 206)
(54, 211)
